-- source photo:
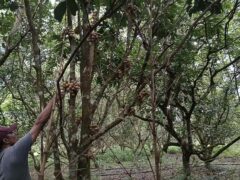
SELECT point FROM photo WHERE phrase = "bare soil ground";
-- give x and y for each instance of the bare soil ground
(221, 169)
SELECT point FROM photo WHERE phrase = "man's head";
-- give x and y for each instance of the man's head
(8, 135)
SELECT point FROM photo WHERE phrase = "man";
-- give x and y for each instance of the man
(14, 152)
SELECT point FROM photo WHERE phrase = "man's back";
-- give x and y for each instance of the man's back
(14, 160)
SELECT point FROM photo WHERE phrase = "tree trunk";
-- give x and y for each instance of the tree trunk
(87, 63)
(84, 172)
(86, 79)
(72, 127)
(156, 147)
(72, 166)
(207, 165)
(207, 155)
(186, 164)
(57, 163)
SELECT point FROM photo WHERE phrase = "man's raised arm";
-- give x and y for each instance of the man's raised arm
(42, 119)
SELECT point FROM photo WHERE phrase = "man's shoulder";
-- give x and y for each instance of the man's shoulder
(23, 143)
(26, 137)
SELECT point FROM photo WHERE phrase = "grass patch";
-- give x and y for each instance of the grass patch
(116, 154)
(174, 150)
(233, 151)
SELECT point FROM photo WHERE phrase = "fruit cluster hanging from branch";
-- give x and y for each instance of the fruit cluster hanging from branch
(71, 87)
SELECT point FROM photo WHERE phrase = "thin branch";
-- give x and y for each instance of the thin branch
(231, 15)
(220, 151)
(148, 120)
(226, 66)
(189, 32)
(11, 49)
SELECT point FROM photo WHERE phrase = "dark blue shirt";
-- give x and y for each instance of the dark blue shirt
(14, 160)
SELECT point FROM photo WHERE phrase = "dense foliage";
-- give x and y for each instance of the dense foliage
(136, 74)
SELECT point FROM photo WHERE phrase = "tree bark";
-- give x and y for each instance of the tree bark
(86, 80)
(186, 163)
(57, 163)
(72, 126)
(88, 55)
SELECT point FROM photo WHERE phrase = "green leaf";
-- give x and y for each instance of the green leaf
(72, 5)
(60, 10)
(3, 4)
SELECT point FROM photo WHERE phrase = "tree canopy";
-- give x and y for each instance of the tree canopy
(167, 70)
